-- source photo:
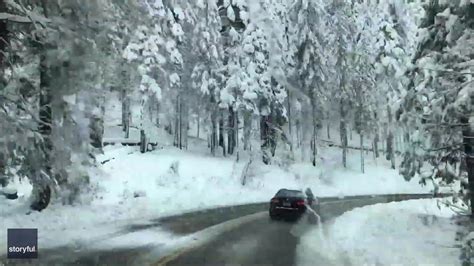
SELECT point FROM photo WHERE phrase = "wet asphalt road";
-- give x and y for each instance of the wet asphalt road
(257, 242)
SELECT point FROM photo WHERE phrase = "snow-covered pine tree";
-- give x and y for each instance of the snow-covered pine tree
(438, 104)
(342, 22)
(207, 55)
(362, 74)
(260, 86)
(58, 42)
(312, 62)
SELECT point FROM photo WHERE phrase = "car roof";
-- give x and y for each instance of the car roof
(290, 191)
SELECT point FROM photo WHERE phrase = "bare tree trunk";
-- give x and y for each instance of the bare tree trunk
(198, 124)
(298, 132)
(96, 131)
(4, 41)
(265, 135)
(388, 144)
(213, 137)
(247, 129)
(222, 141)
(157, 120)
(41, 188)
(406, 139)
(129, 116)
(213, 133)
(3, 178)
(400, 143)
(177, 123)
(306, 132)
(373, 152)
(366, 150)
(231, 131)
(395, 142)
(180, 139)
(390, 147)
(236, 130)
(328, 125)
(125, 112)
(96, 123)
(184, 124)
(361, 152)
(328, 130)
(290, 124)
(45, 113)
(142, 141)
(315, 149)
(468, 141)
(343, 132)
(315, 131)
(142, 126)
(41, 184)
(376, 145)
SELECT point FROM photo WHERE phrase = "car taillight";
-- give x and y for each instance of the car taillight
(300, 203)
(275, 200)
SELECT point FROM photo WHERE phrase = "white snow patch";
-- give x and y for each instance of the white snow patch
(414, 232)
(230, 13)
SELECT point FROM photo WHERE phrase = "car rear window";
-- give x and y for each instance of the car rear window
(290, 193)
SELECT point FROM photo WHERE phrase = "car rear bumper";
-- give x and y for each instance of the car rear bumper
(286, 212)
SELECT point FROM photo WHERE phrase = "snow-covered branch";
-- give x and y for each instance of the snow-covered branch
(14, 18)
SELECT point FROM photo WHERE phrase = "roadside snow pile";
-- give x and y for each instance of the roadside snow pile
(414, 232)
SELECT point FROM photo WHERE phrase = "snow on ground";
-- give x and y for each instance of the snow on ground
(414, 232)
(330, 178)
(114, 151)
(133, 187)
(172, 180)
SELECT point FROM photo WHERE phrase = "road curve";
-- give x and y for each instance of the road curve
(267, 242)
(255, 242)
(259, 242)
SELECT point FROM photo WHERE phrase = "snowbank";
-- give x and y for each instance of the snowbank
(414, 232)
